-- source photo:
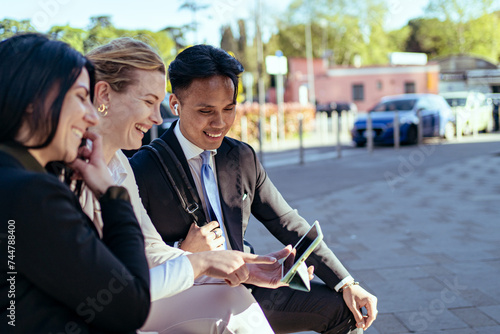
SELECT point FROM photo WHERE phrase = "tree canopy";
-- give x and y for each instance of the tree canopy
(342, 30)
(100, 31)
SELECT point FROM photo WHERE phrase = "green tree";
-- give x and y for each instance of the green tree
(73, 36)
(347, 39)
(242, 42)
(10, 27)
(431, 36)
(459, 11)
(347, 28)
(160, 41)
(378, 44)
(100, 31)
(441, 37)
(458, 16)
(228, 42)
(483, 38)
(194, 6)
(178, 35)
(290, 39)
(398, 38)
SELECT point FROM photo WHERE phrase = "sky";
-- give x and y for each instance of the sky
(158, 14)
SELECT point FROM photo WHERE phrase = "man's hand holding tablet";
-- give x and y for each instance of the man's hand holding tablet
(294, 271)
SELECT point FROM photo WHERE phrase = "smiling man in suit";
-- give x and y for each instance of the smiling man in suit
(204, 83)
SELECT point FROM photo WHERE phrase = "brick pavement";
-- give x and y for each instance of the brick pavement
(427, 245)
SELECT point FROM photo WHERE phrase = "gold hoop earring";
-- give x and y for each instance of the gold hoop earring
(103, 110)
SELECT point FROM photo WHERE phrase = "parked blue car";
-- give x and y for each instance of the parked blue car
(437, 119)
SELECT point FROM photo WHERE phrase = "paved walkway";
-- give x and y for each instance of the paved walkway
(425, 241)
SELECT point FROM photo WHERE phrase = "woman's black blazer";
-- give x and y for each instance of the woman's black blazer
(56, 275)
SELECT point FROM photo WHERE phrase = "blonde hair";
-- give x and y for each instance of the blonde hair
(116, 61)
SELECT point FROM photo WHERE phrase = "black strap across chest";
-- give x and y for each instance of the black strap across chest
(177, 177)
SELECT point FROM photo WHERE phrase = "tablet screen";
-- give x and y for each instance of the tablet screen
(300, 248)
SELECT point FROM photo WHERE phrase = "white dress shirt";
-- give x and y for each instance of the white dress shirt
(170, 271)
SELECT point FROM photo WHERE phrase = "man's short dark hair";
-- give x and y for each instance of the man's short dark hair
(202, 61)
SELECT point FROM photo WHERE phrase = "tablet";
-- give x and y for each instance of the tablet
(301, 252)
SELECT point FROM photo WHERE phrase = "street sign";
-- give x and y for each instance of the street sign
(276, 65)
(407, 58)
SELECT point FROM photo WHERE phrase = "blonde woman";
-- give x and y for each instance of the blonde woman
(130, 85)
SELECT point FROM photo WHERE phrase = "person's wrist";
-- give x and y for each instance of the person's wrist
(348, 286)
(199, 263)
(114, 192)
(102, 188)
(346, 280)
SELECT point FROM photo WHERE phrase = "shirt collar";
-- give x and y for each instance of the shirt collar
(117, 170)
(190, 150)
(23, 156)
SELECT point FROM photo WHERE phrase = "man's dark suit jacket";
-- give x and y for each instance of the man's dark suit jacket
(244, 189)
(66, 279)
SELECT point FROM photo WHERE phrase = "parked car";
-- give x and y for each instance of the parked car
(470, 107)
(337, 106)
(437, 119)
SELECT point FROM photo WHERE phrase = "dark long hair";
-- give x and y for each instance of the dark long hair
(202, 61)
(34, 69)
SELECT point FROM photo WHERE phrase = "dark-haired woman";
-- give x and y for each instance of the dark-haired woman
(56, 274)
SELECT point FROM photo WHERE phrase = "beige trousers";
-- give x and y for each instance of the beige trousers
(208, 309)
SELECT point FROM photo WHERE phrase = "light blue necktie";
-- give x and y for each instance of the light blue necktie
(210, 191)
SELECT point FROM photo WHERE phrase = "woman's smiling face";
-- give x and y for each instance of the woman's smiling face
(133, 112)
(77, 115)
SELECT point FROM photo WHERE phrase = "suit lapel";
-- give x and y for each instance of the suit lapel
(230, 191)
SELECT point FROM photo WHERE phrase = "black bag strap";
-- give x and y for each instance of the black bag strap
(179, 180)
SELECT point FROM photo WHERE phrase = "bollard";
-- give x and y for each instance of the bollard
(317, 120)
(396, 130)
(261, 141)
(345, 124)
(350, 118)
(331, 126)
(475, 125)
(339, 146)
(459, 124)
(369, 132)
(335, 122)
(274, 131)
(324, 127)
(301, 139)
(281, 110)
(420, 128)
(244, 129)
(350, 124)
